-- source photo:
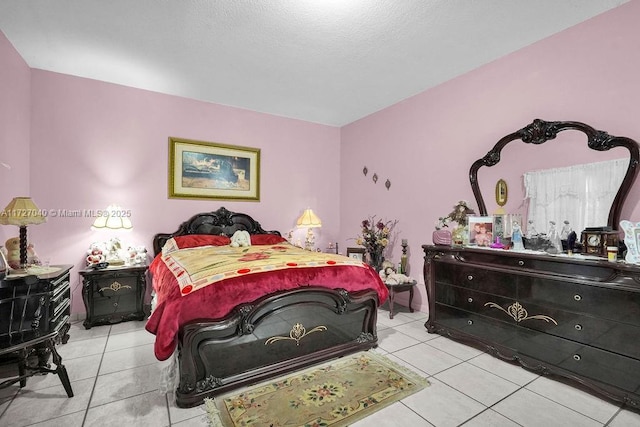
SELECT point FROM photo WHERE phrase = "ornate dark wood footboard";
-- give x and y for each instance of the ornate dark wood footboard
(277, 334)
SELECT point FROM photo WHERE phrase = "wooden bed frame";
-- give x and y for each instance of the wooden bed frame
(276, 334)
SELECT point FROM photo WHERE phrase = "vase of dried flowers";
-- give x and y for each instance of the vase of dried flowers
(375, 238)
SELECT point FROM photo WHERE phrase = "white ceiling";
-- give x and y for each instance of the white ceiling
(324, 61)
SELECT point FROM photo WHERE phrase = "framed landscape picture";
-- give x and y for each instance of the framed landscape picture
(208, 170)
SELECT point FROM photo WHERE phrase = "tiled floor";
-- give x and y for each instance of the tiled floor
(115, 378)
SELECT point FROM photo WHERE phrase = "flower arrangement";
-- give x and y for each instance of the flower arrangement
(457, 215)
(374, 236)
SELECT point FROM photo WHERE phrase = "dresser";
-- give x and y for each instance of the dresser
(568, 316)
(34, 318)
(113, 294)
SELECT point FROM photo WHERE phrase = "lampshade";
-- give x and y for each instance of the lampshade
(309, 220)
(21, 211)
(112, 218)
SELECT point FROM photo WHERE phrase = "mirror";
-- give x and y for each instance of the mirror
(525, 150)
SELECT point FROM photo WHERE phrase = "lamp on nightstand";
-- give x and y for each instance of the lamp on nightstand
(21, 211)
(309, 220)
(113, 218)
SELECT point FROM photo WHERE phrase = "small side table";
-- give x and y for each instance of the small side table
(394, 289)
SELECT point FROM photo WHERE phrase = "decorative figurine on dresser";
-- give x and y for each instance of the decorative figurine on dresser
(113, 294)
(575, 316)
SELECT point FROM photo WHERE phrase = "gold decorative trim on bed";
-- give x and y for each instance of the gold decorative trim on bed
(195, 268)
(296, 334)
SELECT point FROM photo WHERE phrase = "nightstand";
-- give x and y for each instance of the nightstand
(114, 294)
(403, 287)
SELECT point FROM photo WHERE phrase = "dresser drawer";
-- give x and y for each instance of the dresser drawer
(588, 270)
(471, 277)
(584, 329)
(472, 301)
(598, 301)
(586, 361)
(480, 327)
(113, 304)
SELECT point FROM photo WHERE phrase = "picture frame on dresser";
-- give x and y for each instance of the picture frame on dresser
(356, 253)
(211, 170)
(480, 230)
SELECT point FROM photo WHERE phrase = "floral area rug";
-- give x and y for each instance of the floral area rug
(336, 393)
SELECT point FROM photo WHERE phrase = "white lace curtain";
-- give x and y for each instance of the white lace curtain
(581, 194)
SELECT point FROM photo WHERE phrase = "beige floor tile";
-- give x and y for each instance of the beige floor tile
(144, 410)
(442, 405)
(574, 398)
(129, 339)
(33, 406)
(477, 383)
(490, 418)
(72, 420)
(393, 415)
(454, 348)
(114, 361)
(125, 384)
(427, 359)
(391, 340)
(532, 410)
(509, 371)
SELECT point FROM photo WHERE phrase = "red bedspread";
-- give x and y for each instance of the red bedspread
(216, 301)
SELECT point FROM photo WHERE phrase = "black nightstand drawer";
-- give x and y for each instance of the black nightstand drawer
(113, 295)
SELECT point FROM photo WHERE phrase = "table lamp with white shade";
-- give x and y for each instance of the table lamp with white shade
(22, 211)
(113, 218)
(309, 220)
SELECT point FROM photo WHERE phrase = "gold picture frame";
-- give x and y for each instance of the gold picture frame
(502, 192)
(209, 170)
(356, 253)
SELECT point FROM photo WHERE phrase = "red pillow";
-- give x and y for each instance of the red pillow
(195, 240)
(266, 239)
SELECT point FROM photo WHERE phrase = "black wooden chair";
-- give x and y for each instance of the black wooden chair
(26, 335)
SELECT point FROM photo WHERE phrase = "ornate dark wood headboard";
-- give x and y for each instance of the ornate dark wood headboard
(221, 223)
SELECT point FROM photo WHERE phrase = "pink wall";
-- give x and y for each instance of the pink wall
(427, 143)
(95, 143)
(15, 118)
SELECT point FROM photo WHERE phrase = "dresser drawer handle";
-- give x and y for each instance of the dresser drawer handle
(469, 299)
(469, 322)
(577, 297)
(115, 304)
(576, 357)
(521, 263)
(578, 327)
(470, 277)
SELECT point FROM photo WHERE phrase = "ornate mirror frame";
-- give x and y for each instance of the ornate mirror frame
(539, 132)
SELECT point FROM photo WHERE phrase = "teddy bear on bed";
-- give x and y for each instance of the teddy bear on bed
(390, 277)
(240, 238)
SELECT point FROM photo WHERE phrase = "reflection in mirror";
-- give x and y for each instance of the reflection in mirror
(542, 146)
(577, 196)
